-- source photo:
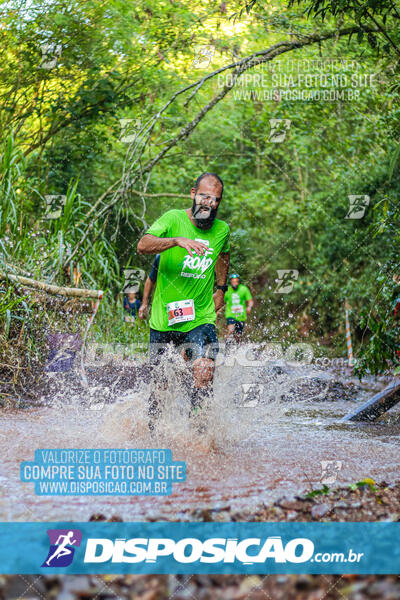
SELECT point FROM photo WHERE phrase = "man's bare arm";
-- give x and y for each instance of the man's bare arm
(221, 272)
(151, 244)
(148, 287)
(222, 268)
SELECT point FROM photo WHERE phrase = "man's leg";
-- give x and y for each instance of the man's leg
(231, 329)
(159, 341)
(239, 326)
(231, 333)
(203, 372)
(203, 350)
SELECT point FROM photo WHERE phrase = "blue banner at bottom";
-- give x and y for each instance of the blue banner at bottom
(164, 547)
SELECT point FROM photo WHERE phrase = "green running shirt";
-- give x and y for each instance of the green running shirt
(236, 302)
(182, 277)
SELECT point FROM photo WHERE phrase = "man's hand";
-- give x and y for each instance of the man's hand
(143, 311)
(218, 297)
(248, 310)
(191, 246)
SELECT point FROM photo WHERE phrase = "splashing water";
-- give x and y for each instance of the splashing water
(264, 432)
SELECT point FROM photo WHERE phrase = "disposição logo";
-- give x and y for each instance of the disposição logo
(61, 551)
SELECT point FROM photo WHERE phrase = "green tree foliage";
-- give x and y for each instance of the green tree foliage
(287, 203)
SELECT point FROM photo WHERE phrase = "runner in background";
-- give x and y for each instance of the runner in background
(131, 306)
(239, 302)
(149, 285)
(192, 243)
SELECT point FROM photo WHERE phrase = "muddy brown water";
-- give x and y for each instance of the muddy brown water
(269, 432)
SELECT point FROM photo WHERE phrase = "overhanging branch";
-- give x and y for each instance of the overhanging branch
(133, 168)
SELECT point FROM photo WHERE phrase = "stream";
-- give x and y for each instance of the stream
(271, 430)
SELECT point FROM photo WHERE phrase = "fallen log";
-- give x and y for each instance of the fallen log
(373, 408)
(52, 289)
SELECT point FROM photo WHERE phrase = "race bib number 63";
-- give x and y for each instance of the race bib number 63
(180, 311)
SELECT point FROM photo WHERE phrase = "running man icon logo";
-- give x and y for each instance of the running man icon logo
(358, 206)
(279, 129)
(131, 280)
(51, 52)
(330, 471)
(61, 551)
(130, 129)
(203, 57)
(252, 393)
(54, 206)
(287, 278)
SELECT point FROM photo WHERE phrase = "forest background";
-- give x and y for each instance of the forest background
(110, 110)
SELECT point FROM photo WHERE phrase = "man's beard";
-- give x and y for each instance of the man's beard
(203, 222)
(235, 287)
